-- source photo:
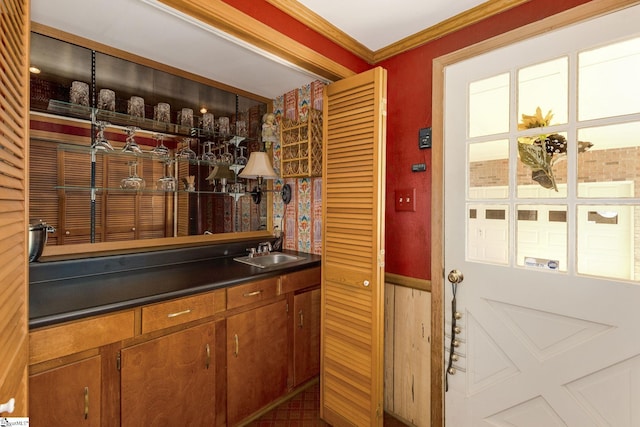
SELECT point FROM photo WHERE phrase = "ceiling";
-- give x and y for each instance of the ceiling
(152, 30)
(380, 23)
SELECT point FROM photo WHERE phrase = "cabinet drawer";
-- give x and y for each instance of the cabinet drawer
(240, 295)
(74, 337)
(300, 279)
(176, 312)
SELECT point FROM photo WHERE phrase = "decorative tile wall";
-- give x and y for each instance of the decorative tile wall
(301, 219)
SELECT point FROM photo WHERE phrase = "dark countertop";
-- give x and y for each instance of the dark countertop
(60, 293)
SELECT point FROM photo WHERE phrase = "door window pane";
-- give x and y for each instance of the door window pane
(608, 80)
(489, 106)
(542, 166)
(541, 237)
(608, 241)
(609, 168)
(543, 94)
(488, 233)
(489, 170)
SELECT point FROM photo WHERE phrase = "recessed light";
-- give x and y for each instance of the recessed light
(34, 70)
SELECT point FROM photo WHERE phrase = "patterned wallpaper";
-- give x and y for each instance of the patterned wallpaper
(301, 219)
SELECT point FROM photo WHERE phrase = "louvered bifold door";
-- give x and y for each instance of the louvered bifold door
(14, 55)
(353, 250)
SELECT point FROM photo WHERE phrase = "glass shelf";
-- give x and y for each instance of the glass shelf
(85, 149)
(144, 190)
(120, 119)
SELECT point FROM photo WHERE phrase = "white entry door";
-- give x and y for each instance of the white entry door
(546, 325)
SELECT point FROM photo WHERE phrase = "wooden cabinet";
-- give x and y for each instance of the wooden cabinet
(180, 311)
(303, 288)
(306, 336)
(66, 396)
(256, 359)
(184, 360)
(170, 380)
(68, 376)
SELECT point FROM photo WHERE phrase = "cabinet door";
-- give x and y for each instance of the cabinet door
(353, 249)
(170, 380)
(256, 359)
(66, 396)
(306, 336)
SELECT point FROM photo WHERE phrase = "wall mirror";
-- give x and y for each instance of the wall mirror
(124, 152)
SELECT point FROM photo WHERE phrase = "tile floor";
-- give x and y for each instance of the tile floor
(303, 410)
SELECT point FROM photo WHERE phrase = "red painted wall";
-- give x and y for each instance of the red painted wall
(409, 90)
(408, 234)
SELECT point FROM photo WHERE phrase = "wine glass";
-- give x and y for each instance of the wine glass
(160, 149)
(131, 145)
(241, 159)
(186, 152)
(167, 182)
(208, 156)
(133, 181)
(226, 157)
(101, 142)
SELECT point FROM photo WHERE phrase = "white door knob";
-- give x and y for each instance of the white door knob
(366, 283)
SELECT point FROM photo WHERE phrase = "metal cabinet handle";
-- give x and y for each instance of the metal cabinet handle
(86, 403)
(237, 345)
(179, 313)
(301, 324)
(252, 294)
(208, 350)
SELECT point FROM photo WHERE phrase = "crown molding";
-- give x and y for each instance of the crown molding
(320, 25)
(224, 17)
(464, 19)
(455, 23)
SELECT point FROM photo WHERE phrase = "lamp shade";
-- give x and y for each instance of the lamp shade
(220, 171)
(258, 166)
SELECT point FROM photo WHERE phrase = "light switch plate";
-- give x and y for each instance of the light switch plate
(405, 200)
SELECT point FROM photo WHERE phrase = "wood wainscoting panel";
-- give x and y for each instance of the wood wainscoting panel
(408, 354)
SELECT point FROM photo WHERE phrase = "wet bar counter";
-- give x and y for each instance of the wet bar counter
(61, 291)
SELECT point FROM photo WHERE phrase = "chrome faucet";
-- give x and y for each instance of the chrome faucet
(264, 248)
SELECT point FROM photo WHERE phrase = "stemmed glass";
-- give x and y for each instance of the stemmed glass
(226, 157)
(160, 149)
(101, 142)
(133, 181)
(208, 156)
(241, 159)
(186, 152)
(131, 146)
(167, 182)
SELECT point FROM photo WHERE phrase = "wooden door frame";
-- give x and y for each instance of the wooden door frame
(577, 14)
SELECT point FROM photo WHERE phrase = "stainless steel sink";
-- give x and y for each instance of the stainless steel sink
(264, 261)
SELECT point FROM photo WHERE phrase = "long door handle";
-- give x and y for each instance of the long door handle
(86, 403)
(237, 345)
(208, 351)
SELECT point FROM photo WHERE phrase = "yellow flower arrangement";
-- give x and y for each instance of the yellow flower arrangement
(541, 152)
(535, 121)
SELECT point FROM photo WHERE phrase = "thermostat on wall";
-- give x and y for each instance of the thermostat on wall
(424, 138)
